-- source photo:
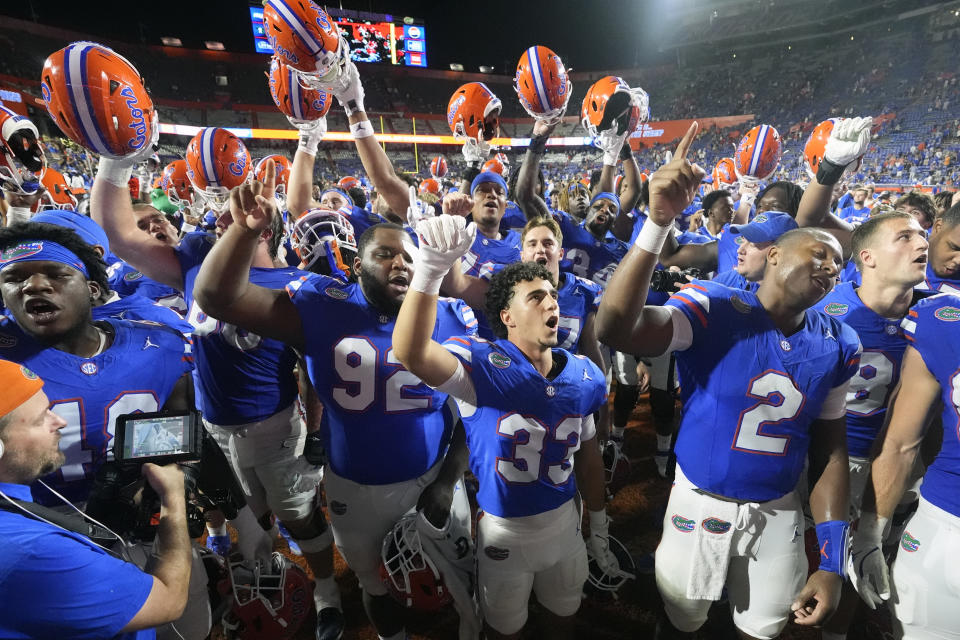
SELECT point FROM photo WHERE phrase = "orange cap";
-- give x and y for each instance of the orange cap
(19, 384)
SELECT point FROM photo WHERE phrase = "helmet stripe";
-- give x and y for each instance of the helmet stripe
(294, 23)
(76, 80)
(758, 148)
(293, 86)
(207, 156)
(534, 60)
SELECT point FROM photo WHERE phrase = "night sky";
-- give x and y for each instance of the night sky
(588, 35)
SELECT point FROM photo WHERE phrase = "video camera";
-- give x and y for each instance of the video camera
(668, 281)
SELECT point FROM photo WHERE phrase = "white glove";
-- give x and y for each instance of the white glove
(311, 133)
(443, 240)
(117, 171)
(418, 210)
(848, 141)
(348, 90)
(599, 543)
(610, 142)
(749, 188)
(870, 575)
(476, 151)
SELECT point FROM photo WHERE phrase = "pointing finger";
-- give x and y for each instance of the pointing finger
(687, 140)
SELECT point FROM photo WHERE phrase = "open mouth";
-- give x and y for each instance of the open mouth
(553, 322)
(399, 282)
(162, 237)
(541, 261)
(40, 310)
(922, 259)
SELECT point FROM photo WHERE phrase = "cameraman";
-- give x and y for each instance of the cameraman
(46, 567)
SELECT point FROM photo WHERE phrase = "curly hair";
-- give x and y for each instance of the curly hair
(31, 231)
(921, 201)
(791, 190)
(711, 199)
(502, 286)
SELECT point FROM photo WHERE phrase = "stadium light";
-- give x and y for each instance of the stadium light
(456, 66)
(485, 69)
(171, 42)
(213, 45)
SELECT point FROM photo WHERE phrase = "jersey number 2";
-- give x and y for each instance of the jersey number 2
(779, 400)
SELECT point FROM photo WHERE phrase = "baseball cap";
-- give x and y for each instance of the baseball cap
(19, 385)
(766, 227)
(487, 176)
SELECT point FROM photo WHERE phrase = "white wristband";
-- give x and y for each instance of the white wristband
(427, 280)
(116, 172)
(309, 142)
(651, 237)
(599, 523)
(362, 129)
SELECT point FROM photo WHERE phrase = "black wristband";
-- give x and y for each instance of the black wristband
(538, 144)
(626, 151)
(829, 174)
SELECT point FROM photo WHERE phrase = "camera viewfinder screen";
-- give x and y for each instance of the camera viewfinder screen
(156, 437)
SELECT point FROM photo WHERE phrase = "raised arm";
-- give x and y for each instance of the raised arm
(623, 224)
(443, 240)
(526, 196)
(814, 211)
(702, 256)
(623, 322)
(223, 288)
(112, 209)
(300, 182)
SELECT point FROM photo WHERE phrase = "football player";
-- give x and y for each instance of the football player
(528, 411)
(385, 432)
(943, 268)
(922, 588)
(764, 381)
(246, 385)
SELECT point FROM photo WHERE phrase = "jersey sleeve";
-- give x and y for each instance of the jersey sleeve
(926, 322)
(592, 292)
(454, 317)
(690, 309)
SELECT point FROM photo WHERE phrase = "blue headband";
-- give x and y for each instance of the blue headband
(606, 195)
(88, 230)
(340, 191)
(487, 176)
(42, 250)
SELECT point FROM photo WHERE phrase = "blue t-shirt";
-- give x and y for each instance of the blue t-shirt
(524, 429)
(750, 394)
(852, 211)
(883, 346)
(943, 285)
(127, 281)
(58, 584)
(931, 328)
(381, 424)
(136, 373)
(240, 377)
(485, 253)
(591, 258)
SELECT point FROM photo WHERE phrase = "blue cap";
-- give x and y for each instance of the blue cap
(88, 230)
(487, 176)
(766, 227)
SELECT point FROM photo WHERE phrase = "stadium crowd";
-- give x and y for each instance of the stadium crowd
(205, 349)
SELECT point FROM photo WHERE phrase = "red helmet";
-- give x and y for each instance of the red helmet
(324, 233)
(175, 183)
(629, 107)
(817, 144)
(496, 166)
(217, 161)
(349, 182)
(409, 574)
(22, 163)
(430, 185)
(438, 167)
(295, 100)
(758, 154)
(98, 100)
(542, 84)
(303, 36)
(724, 174)
(271, 601)
(283, 167)
(474, 112)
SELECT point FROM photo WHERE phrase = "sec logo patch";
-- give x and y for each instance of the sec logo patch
(89, 368)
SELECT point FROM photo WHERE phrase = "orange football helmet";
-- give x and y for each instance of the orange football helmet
(175, 183)
(349, 182)
(438, 167)
(430, 185)
(98, 100)
(496, 166)
(724, 174)
(293, 98)
(542, 84)
(816, 145)
(758, 154)
(217, 161)
(474, 112)
(58, 194)
(283, 167)
(304, 37)
(629, 107)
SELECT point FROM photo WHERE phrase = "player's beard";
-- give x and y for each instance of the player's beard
(376, 293)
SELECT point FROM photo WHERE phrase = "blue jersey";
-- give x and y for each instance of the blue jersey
(932, 329)
(750, 393)
(943, 285)
(136, 307)
(734, 280)
(883, 346)
(240, 377)
(591, 258)
(850, 273)
(523, 429)
(513, 218)
(127, 281)
(361, 219)
(694, 237)
(381, 424)
(727, 247)
(486, 252)
(136, 373)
